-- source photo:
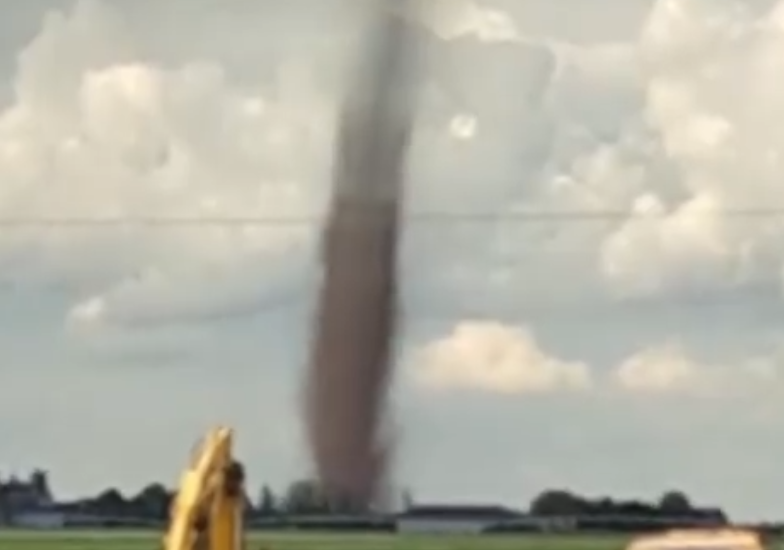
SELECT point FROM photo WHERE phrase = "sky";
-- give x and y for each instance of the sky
(622, 355)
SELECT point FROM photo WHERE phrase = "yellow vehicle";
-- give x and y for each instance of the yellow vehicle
(207, 511)
(700, 539)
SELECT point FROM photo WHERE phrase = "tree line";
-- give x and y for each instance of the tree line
(304, 498)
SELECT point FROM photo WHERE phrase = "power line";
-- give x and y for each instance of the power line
(436, 218)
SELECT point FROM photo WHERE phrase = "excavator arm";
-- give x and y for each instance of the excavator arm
(208, 509)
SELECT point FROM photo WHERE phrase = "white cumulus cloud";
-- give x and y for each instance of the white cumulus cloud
(709, 68)
(493, 357)
(97, 129)
(668, 369)
(94, 132)
(488, 356)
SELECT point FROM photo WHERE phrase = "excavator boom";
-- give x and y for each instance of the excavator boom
(208, 509)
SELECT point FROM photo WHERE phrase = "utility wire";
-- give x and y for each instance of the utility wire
(434, 217)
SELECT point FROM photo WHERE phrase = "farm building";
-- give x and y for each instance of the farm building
(28, 503)
(455, 519)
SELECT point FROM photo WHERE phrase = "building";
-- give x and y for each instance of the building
(454, 519)
(28, 503)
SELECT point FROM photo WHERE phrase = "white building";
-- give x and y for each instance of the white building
(451, 519)
(42, 519)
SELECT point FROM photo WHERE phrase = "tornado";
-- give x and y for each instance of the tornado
(352, 351)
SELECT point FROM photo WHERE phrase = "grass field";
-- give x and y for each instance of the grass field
(95, 540)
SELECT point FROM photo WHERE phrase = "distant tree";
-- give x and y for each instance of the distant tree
(153, 501)
(267, 503)
(675, 503)
(345, 505)
(5, 509)
(39, 480)
(604, 506)
(305, 496)
(110, 502)
(609, 513)
(557, 502)
(635, 508)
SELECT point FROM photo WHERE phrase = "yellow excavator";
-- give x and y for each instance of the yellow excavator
(207, 511)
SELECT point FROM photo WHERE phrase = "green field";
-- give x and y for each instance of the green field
(95, 540)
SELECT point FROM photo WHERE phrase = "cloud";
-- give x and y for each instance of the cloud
(488, 356)
(107, 132)
(100, 133)
(96, 133)
(493, 357)
(721, 140)
(669, 369)
(450, 20)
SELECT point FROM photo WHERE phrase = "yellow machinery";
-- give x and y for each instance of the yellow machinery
(208, 509)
